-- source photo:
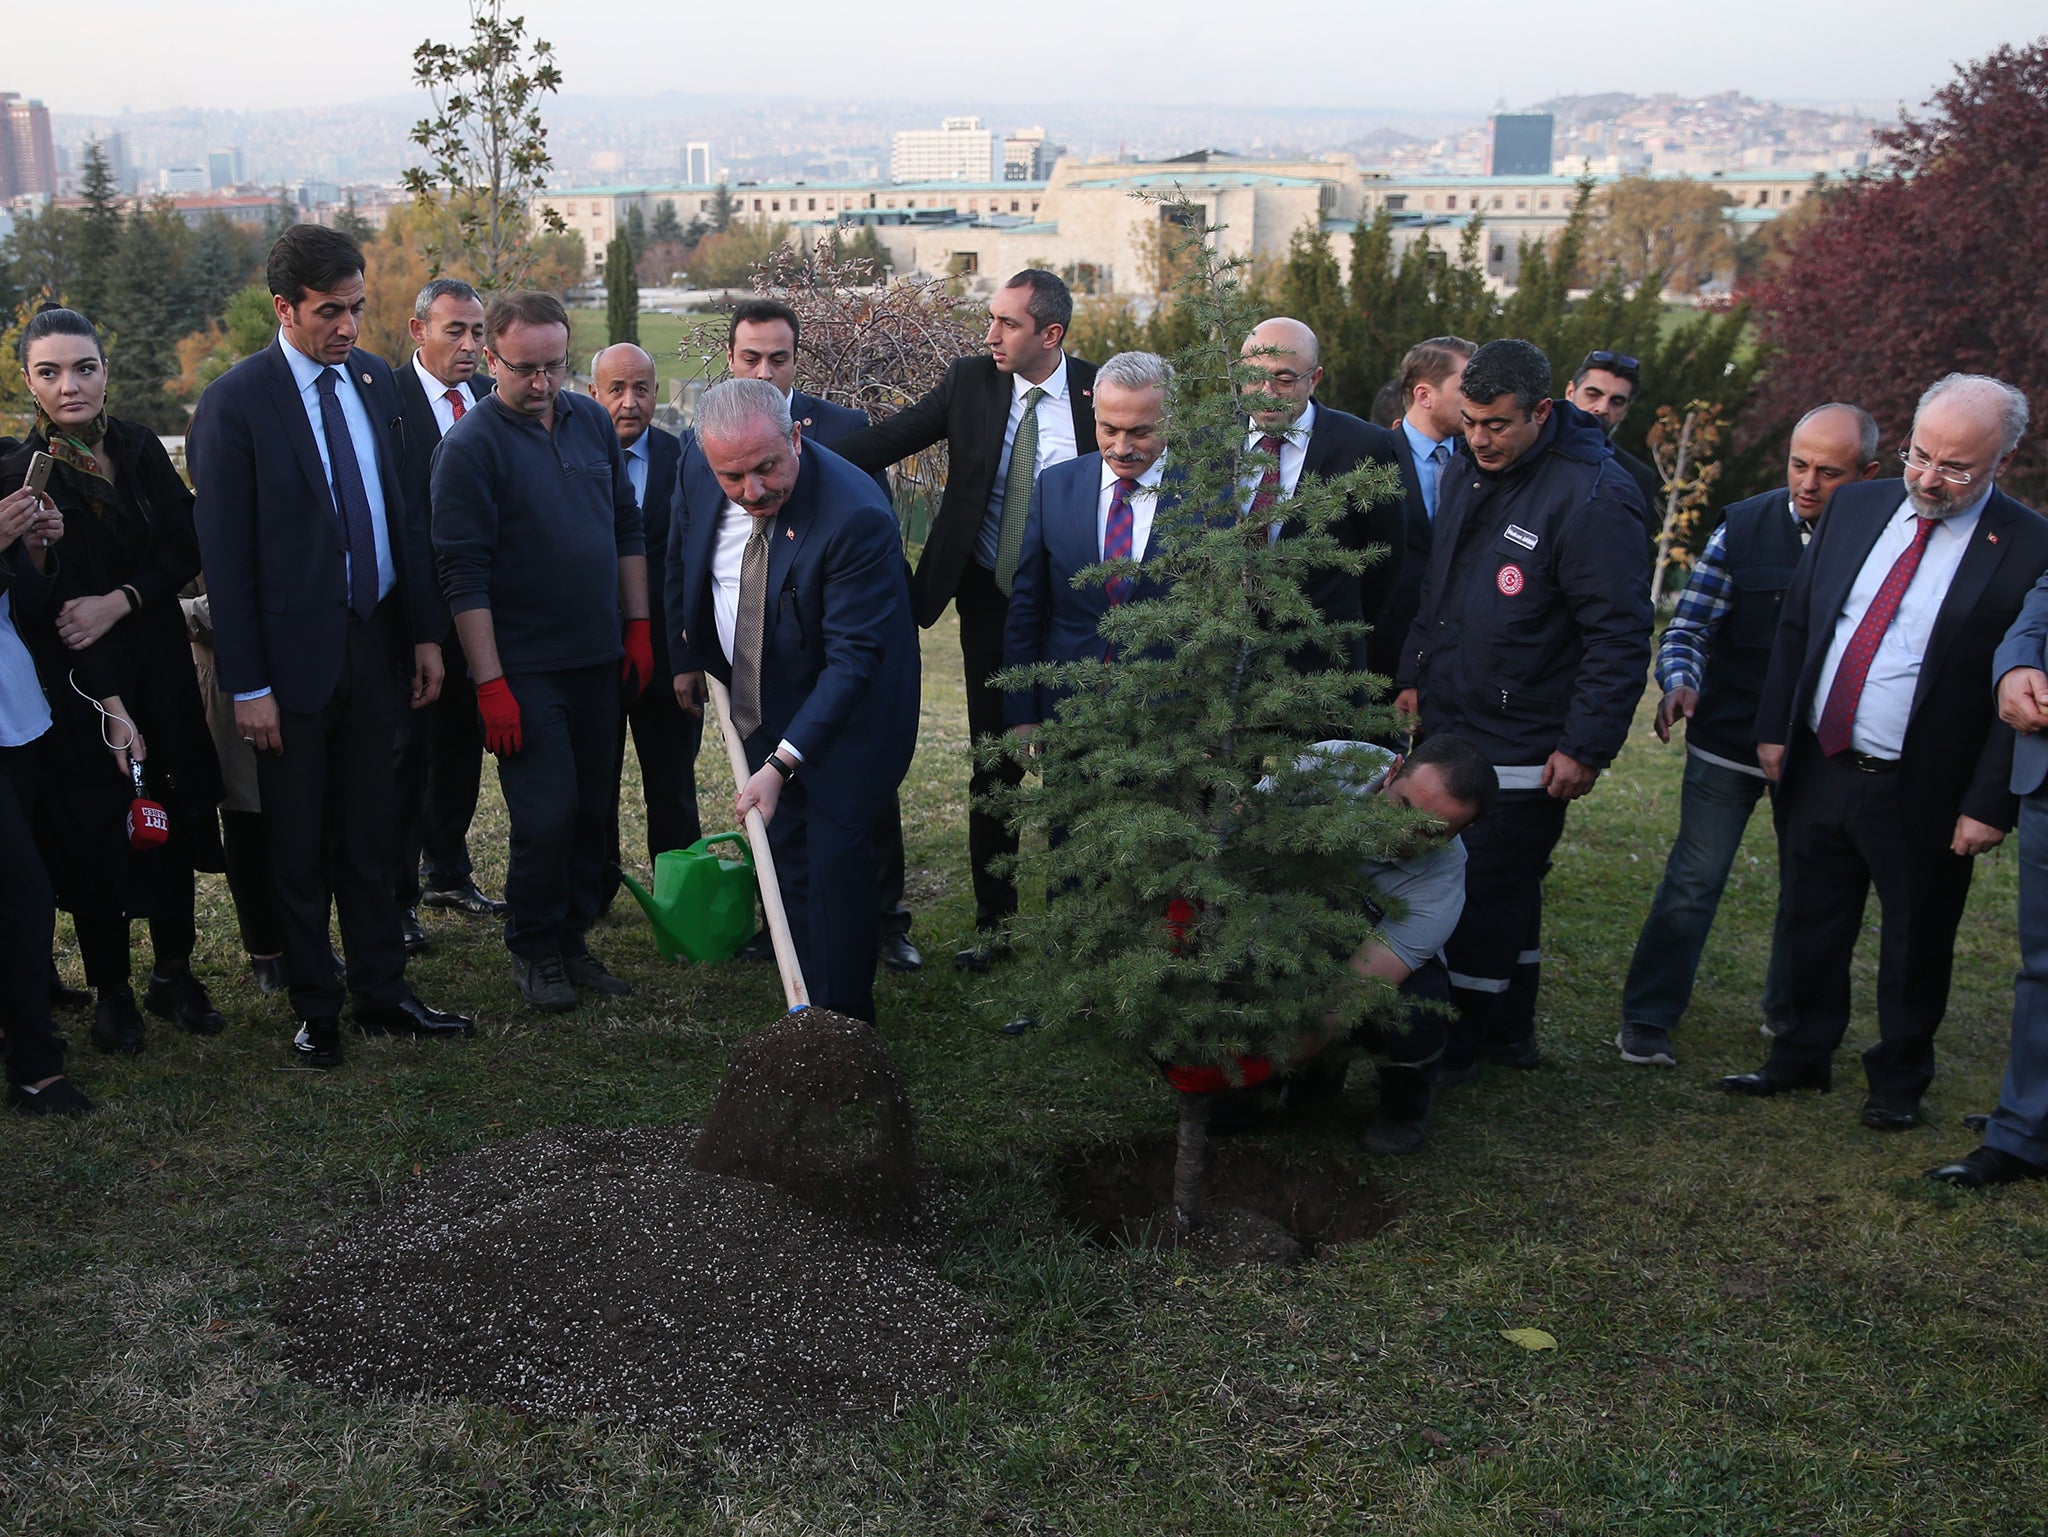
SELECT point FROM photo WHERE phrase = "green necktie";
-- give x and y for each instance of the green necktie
(1017, 491)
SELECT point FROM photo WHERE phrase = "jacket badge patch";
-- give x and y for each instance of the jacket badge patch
(1521, 536)
(1510, 580)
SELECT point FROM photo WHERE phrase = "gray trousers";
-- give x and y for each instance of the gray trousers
(2019, 1125)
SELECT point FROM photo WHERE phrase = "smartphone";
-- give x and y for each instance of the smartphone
(39, 472)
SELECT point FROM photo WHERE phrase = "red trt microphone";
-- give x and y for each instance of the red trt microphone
(149, 825)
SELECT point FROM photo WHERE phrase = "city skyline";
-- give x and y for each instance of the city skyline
(1198, 52)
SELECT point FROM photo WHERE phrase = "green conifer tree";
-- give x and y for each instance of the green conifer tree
(621, 291)
(1150, 771)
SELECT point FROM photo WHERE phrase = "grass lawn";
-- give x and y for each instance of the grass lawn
(662, 335)
(1767, 1323)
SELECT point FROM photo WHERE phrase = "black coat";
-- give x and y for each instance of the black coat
(1339, 443)
(1383, 650)
(1957, 758)
(144, 539)
(420, 429)
(969, 411)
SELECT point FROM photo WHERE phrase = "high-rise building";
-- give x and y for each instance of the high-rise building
(697, 163)
(1519, 144)
(224, 169)
(28, 160)
(182, 178)
(1029, 156)
(959, 150)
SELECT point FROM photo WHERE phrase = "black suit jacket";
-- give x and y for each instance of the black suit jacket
(1338, 443)
(1383, 650)
(422, 432)
(664, 460)
(272, 540)
(969, 411)
(1957, 758)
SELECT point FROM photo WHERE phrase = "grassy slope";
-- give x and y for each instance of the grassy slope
(660, 334)
(1767, 1323)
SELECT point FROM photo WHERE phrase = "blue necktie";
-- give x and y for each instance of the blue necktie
(350, 498)
(1438, 456)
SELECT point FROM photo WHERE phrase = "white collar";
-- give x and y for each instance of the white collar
(1149, 480)
(1055, 385)
(1297, 432)
(435, 388)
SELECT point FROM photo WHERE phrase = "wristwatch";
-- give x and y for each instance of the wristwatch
(786, 770)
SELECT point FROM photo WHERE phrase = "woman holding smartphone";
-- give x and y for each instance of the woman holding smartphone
(118, 674)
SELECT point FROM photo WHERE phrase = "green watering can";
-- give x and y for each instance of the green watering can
(702, 908)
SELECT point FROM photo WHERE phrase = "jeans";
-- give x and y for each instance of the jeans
(1714, 811)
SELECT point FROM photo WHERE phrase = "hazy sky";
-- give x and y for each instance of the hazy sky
(147, 54)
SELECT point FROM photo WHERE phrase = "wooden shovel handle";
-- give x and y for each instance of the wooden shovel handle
(793, 989)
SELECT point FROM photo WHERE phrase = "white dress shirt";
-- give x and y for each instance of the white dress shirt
(1886, 703)
(437, 396)
(1055, 446)
(1293, 454)
(735, 527)
(24, 712)
(1144, 502)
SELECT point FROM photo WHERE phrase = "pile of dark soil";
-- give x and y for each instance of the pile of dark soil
(578, 1272)
(1258, 1208)
(815, 1106)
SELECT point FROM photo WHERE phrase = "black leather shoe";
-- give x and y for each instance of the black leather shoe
(760, 948)
(1889, 1114)
(1524, 1054)
(60, 1098)
(412, 933)
(1987, 1166)
(1977, 1120)
(318, 1043)
(268, 973)
(413, 1018)
(74, 999)
(898, 953)
(179, 996)
(1446, 1076)
(986, 950)
(117, 1024)
(1763, 1083)
(1019, 1025)
(463, 899)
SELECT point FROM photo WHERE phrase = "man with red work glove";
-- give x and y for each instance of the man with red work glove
(543, 560)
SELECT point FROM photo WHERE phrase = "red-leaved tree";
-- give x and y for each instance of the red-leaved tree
(1933, 265)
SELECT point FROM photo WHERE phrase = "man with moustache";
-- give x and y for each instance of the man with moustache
(1711, 665)
(761, 343)
(440, 755)
(1878, 726)
(665, 736)
(543, 563)
(1028, 391)
(785, 578)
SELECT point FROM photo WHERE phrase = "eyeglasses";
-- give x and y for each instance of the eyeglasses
(1284, 378)
(1613, 362)
(1914, 459)
(529, 370)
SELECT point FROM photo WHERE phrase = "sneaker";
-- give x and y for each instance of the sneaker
(588, 972)
(60, 1098)
(181, 998)
(1646, 1044)
(544, 983)
(117, 1024)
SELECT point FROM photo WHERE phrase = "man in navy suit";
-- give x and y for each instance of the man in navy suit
(761, 343)
(441, 756)
(1026, 385)
(785, 577)
(1878, 726)
(1098, 507)
(1425, 438)
(324, 604)
(665, 736)
(1307, 438)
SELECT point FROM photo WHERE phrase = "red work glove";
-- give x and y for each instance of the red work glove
(500, 712)
(637, 667)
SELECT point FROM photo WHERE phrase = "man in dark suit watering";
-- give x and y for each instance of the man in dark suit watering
(543, 563)
(440, 756)
(323, 604)
(761, 343)
(785, 577)
(1878, 723)
(1029, 392)
(665, 736)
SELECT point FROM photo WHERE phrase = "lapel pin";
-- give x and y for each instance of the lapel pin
(1992, 537)
(789, 533)
(366, 378)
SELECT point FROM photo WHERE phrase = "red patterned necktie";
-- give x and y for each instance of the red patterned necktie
(455, 400)
(1838, 717)
(1269, 483)
(1117, 532)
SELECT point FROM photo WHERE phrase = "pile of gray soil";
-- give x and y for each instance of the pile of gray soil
(576, 1272)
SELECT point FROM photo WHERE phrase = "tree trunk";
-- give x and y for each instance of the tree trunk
(1190, 1156)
